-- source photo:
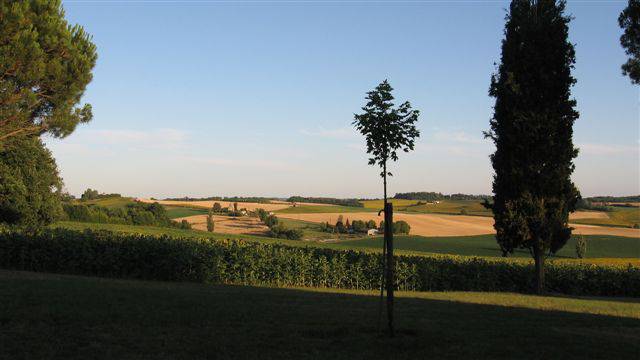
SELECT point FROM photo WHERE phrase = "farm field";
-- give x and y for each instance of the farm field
(73, 317)
(485, 245)
(229, 224)
(175, 212)
(450, 225)
(600, 249)
(619, 216)
(208, 204)
(451, 207)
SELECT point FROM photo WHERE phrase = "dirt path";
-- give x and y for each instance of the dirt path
(452, 225)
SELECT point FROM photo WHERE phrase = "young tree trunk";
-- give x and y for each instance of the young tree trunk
(388, 235)
(538, 254)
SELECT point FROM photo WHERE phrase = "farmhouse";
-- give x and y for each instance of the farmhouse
(372, 232)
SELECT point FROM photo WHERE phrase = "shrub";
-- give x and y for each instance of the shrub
(210, 223)
(581, 247)
(108, 254)
(399, 227)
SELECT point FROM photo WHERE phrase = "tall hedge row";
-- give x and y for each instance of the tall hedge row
(107, 254)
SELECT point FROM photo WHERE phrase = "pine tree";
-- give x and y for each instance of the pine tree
(45, 65)
(629, 21)
(532, 128)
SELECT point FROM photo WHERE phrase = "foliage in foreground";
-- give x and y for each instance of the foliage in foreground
(135, 213)
(29, 185)
(108, 254)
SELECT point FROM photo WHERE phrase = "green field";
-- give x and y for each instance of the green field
(47, 316)
(312, 230)
(486, 245)
(605, 248)
(618, 216)
(110, 202)
(174, 212)
(452, 207)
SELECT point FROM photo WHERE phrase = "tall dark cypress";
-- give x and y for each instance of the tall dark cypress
(532, 128)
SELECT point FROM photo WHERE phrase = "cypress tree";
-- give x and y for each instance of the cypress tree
(532, 128)
(629, 21)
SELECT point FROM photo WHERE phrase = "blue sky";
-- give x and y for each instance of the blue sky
(205, 98)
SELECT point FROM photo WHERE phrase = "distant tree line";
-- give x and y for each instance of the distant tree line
(326, 200)
(261, 200)
(620, 199)
(433, 196)
(277, 229)
(343, 226)
(133, 214)
(91, 194)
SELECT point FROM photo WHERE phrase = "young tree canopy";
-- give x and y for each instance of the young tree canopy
(386, 128)
(532, 128)
(629, 21)
(45, 66)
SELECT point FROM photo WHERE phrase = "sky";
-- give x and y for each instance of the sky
(256, 98)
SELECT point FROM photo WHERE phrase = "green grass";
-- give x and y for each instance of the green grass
(312, 230)
(45, 316)
(619, 216)
(485, 245)
(110, 202)
(451, 207)
(598, 247)
(174, 212)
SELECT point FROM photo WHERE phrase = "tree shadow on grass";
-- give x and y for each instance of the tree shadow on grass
(77, 317)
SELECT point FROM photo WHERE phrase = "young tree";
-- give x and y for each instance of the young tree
(217, 207)
(532, 129)
(629, 21)
(210, 223)
(29, 186)
(45, 65)
(387, 129)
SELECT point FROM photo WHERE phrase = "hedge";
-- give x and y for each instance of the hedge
(108, 254)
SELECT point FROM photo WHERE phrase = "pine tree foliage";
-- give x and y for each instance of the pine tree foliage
(45, 66)
(532, 128)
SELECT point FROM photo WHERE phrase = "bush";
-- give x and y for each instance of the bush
(133, 214)
(282, 232)
(399, 227)
(210, 223)
(581, 247)
(108, 254)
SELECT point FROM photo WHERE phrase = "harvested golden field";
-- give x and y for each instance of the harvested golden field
(452, 225)
(588, 215)
(208, 204)
(228, 224)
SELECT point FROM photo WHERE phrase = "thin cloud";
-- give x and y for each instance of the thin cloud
(344, 133)
(608, 149)
(458, 137)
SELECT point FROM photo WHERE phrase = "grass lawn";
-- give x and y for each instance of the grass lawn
(174, 212)
(47, 316)
(619, 216)
(485, 245)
